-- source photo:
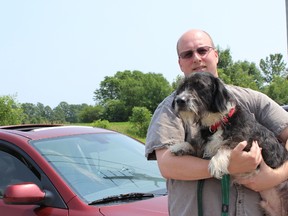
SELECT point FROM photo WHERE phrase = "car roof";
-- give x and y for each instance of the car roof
(42, 131)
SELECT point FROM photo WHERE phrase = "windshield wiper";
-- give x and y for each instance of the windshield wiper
(122, 197)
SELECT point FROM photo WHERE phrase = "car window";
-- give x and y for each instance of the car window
(101, 165)
(14, 170)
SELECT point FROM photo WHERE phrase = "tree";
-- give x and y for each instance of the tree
(42, 115)
(90, 113)
(63, 108)
(242, 73)
(74, 110)
(58, 116)
(115, 111)
(48, 112)
(278, 90)
(225, 59)
(273, 66)
(109, 89)
(132, 88)
(37, 114)
(29, 111)
(10, 111)
(176, 82)
(65, 112)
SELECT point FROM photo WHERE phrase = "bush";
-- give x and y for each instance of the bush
(140, 120)
(11, 112)
(101, 124)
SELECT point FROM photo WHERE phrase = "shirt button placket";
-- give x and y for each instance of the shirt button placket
(240, 210)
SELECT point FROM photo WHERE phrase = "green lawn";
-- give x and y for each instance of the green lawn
(122, 127)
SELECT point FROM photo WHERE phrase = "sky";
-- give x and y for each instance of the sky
(60, 50)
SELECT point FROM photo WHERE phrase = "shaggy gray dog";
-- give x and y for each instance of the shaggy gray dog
(202, 101)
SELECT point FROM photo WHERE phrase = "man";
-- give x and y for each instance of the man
(196, 52)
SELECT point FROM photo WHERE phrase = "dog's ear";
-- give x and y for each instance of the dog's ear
(221, 96)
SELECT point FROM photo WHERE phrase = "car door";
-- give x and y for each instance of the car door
(16, 167)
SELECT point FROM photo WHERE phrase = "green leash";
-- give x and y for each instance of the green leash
(225, 185)
(200, 185)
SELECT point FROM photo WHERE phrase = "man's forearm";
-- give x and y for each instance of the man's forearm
(184, 167)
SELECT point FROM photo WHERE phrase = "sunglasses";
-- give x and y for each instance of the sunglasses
(201, 51)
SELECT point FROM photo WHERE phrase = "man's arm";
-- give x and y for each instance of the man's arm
(184, 167)
(268, 177)
(284, 137)
(193, 168)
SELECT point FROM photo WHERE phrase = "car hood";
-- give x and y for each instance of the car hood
(153, 207)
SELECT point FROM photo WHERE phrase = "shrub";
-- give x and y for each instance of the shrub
(101, 123)
(140, 120)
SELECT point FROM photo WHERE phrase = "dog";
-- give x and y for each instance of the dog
(204, 104)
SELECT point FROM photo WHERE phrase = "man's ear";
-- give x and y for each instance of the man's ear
(217, 56)
(180, 65)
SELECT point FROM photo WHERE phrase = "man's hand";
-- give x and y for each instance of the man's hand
(266, 178)
(242, 161)
(262, 180)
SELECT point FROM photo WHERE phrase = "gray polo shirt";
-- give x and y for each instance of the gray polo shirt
(166, 128)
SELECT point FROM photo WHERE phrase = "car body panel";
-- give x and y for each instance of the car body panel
(31, 210)
(65, 200)
(157, 207)
(61, 186)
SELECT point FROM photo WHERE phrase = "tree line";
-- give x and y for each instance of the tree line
(134, 95)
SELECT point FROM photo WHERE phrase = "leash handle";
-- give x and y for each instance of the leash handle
(225, 183)
(225, 188)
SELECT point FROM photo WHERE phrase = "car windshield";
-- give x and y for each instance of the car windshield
(102, 165)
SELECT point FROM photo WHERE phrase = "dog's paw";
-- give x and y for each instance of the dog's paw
(215, 170)
(183, 148)
(218, 165)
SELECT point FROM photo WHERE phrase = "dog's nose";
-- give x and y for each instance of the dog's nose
(180, 102)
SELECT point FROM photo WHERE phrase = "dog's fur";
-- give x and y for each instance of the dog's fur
(203, 102)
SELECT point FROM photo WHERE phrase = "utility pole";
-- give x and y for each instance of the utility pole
(286, 2)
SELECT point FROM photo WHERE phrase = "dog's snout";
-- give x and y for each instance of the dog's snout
(180, 101)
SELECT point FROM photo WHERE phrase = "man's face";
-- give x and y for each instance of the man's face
(196, 53)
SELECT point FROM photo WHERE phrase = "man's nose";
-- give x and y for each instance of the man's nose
(196, 57)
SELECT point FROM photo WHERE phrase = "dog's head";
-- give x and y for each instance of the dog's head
(199, 95)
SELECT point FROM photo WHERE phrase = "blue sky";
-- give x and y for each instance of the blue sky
(60, 50)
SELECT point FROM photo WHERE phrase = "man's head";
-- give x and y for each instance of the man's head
(197, 53)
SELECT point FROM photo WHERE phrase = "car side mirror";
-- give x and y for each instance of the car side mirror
(26, 193)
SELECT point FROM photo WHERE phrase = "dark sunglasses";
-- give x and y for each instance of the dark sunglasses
(202, 51)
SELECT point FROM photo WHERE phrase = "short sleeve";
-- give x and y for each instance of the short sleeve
(165, 128)
(266, 111)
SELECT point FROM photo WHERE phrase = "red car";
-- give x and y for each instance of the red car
(75, 171)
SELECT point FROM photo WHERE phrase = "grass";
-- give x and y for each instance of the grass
(122, 127)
